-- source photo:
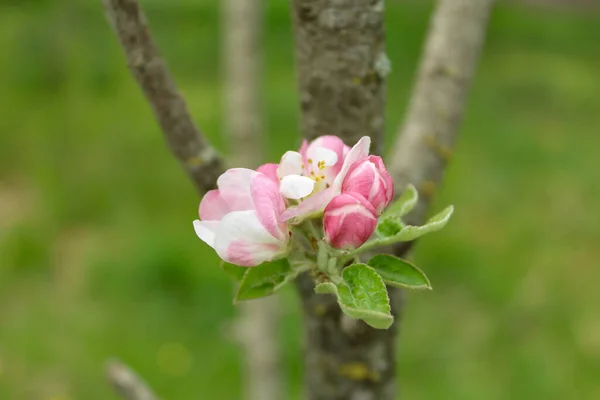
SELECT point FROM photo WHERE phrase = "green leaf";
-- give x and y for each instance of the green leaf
(234, 271)
(435, 223)
(363, 295)
(326, 288)
(398, 272)
(265, 279)
(389, 226)
(405, 203)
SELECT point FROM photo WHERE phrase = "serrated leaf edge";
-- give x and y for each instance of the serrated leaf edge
(403, 285)
(378, 314)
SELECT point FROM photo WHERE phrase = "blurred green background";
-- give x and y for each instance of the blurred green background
(98, 257)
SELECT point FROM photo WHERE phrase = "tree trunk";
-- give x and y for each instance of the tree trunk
(341, 65)
(256, 325)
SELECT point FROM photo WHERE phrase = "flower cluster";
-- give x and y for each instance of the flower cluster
(250, 218)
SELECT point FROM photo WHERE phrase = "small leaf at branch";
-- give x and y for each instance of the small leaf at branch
(234, 271)
(265, 279)
(398, 272)
(405, 203)
(435, 223)
(363, 295)
(389, 226)
(326, 288)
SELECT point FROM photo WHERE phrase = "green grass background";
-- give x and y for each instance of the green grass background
(98, 257)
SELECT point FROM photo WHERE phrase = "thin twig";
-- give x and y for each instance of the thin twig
(127, 383)
(202, 163)
(425, 141)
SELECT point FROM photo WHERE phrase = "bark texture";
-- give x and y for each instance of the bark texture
(342, 65)
(201, 162)
(424, 143)
(256, 326)
(341, 69)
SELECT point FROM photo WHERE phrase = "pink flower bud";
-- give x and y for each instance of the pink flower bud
(369, 178)
(349, 220)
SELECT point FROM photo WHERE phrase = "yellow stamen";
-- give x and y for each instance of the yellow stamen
(321, 164)
(310, 160)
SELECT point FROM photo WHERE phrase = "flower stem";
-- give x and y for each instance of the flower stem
(371, 244)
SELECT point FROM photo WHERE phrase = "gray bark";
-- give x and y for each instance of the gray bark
(424, 143)
(189, 146)
(342, 66)
(241, 31)
(256, 326)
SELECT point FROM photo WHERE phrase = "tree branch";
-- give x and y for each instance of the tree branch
(127, 383)
(424, 144)
(241, 33)
(201, 162)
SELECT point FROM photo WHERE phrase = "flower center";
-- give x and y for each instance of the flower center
(317, 174)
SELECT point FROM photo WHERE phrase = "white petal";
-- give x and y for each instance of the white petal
(242, 240)
(206, 231)
(328, 156)
(291, 164)
(296, 186)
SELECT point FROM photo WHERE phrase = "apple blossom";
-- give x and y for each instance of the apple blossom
(349, 220)
(270, 170)
(242, 219)
(315, 192)
(370, 178)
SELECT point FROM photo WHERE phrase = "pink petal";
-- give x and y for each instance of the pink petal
(328, 142)
(213, 207)
(242, 239)
(345, 151)
(358, 152)
(360, 178)
(314, 203)
(349, 220)
(270, 170)
(234, 187)
(389, 182)
(369, 178)
(303, 150)
(269, 205)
